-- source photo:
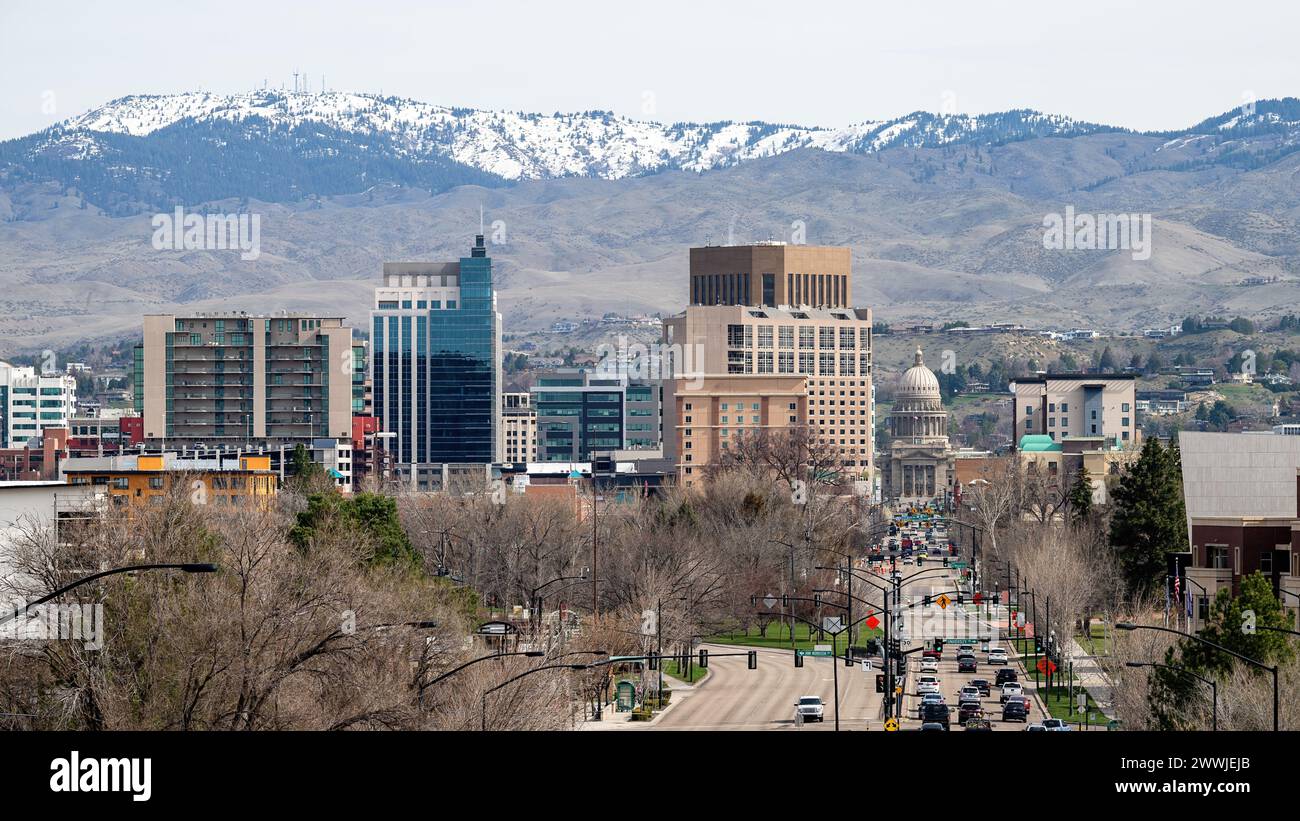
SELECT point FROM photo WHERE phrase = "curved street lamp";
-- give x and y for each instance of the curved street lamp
(187, 567)
(1125, 625)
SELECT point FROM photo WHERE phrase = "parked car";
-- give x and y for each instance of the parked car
(1006, 674)
(810, 708)
(997, 655)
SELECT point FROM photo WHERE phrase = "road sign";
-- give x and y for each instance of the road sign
(833, 624)
(1046, 666)
(958, 565)
(1020, 620)
(769, 601)
(816, 652)
(891, 725)
(943, 601)
(1113, 724)
(1083, 702)
(872, 622)
(866, 667)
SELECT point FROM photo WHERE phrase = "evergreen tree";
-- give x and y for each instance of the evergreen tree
(1080, 496)
(1150, 517)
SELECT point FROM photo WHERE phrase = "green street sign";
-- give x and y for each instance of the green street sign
(958, 565)
(1113, 724)
(815, 652)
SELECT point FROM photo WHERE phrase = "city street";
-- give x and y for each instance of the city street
(736, 698)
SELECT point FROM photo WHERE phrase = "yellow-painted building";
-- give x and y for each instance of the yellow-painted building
(136, 480)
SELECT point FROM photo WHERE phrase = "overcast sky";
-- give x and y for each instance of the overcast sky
(1144, 65)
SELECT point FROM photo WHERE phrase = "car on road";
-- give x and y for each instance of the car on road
(810, 708)
(965, 650)
(968, 693)
(966, 664)
(923, 686)
(968, 710)
(929, 665)
(997, 655)
(1056, 725)
(1034, 728)
(1011, 688)
(933, 726)
(981, 684)
(1015, 710)
(1006, 674)
(937, 713)
(978, 724)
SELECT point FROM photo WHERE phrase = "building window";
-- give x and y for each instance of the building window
(1218, 556)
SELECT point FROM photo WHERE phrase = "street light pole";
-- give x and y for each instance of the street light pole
(1208, 643)
(1214, 687)
(188, 567)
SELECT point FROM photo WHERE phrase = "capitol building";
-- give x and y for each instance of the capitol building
(918, 465)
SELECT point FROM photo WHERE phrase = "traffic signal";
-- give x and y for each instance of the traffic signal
(880, 682)
(945, 561)
(704, 659)
(652, 660)
(753, 659)
(938, 644)
(798, 659)
(926, 602)
(961, 597)
(848, 659)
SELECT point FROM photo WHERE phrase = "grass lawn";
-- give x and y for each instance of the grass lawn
(778, 637)
(1096, 644)
(696, 672)
(1058, 704)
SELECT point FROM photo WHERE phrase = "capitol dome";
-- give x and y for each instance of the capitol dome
(918, 381)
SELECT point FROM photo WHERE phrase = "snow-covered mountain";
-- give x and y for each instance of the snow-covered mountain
(150, 152)
(514, 145)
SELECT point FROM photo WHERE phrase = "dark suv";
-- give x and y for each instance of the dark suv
(1006, 674)
(966, 664)
(981, 684)
(969, 710)
(1016, 709)
(935, 713)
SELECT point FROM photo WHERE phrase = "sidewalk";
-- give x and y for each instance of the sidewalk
(1089, 673)
(611, 719)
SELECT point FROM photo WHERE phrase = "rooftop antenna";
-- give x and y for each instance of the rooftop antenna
(480, 218)
(295, 82)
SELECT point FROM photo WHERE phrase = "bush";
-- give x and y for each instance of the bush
(642, 714)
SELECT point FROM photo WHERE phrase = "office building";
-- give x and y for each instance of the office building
(31, 401)
(770, 274)
(827, 350)
(1240, 491)
(582, 412)
(518, 428)
(435, 364)
(235, 378)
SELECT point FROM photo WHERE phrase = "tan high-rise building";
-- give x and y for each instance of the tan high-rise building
(232, 378)
(771, 274)
(518, 427)
(799, 366)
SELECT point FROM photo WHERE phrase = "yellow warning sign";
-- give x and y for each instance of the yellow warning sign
(891, 725)
(943, 601)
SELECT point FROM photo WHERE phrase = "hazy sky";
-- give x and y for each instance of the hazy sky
(1145, 65)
